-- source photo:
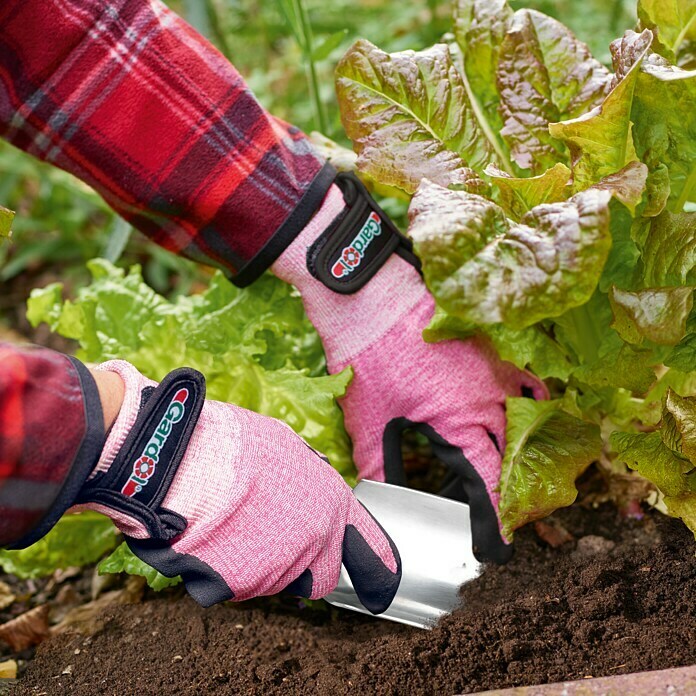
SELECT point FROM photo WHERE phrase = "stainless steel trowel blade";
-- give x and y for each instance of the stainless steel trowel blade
(433, 536)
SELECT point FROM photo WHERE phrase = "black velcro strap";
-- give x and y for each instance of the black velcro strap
(357, 243)
(142, 472)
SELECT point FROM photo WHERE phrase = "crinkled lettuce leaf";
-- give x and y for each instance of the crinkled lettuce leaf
(683, 356)
(620, 366)
(622, 268)
(547, 449)
(668, 251)
(485, 268)
(409, 116)
(665, 125)
(678, 427)
(655, 314)
(601, 140)
(545, 75)
(479, 30)
(518, 195)
(674, 25)
(673, 475)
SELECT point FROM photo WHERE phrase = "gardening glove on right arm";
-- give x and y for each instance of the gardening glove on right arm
(362, 290)
(234, 502)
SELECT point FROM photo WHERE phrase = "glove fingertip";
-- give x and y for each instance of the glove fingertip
(374, 583)
(302, 585)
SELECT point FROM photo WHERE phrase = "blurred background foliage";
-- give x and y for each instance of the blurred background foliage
(286, 50)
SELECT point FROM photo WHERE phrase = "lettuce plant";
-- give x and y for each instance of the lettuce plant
(552, 203)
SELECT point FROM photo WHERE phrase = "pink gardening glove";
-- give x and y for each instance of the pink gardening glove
(234, 502)
(363, 293)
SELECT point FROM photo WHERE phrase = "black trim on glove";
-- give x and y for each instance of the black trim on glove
(464, 484)
(357, 243)
(203, 583)
(139, 478)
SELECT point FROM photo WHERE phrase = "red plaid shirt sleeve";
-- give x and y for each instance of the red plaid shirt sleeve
(51, 435)
(128, 97)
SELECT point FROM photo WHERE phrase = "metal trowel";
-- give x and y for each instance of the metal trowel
(433, 535)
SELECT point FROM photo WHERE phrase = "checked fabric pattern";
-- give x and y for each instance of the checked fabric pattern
(128, 97)
(41, 390)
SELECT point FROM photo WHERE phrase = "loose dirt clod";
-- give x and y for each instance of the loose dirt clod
(550, 615)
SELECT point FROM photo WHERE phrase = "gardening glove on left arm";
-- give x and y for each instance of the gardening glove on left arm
(362, 290)
(234, 502)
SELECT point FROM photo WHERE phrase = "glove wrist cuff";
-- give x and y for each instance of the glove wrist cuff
(145, 450)
(348, 323)
(357, 243)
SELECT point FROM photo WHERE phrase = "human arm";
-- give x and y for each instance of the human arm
(133, 101)
(235, 503)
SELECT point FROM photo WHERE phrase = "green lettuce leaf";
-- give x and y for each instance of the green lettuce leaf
(674, 25)
(254, 345)
(545, 75)
(409, 117)
(665, 125)
(657, 186)
(620, 366)
(486, 269)
(683, 357)
(519, 195)
(604, 361)
(658, 314)
(678, 427)
(532, 348)
(122, 560)
(547, 449)
(77, 540)
(669, 250)
(673, 475)
(601, 140)
(622, 266)
(479, 30)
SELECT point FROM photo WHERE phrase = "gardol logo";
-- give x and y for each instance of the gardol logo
(353, 254)
(144, 467)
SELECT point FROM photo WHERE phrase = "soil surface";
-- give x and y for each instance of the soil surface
(619, 596)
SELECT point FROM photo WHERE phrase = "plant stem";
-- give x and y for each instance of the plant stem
(216, 30)
(683, 33)
(307, 46)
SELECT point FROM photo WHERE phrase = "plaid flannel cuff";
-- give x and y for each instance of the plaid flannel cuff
(51, 435)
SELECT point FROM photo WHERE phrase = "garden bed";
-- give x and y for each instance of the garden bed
(618, 597)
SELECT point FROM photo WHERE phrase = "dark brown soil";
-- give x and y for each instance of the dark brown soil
(619, 598)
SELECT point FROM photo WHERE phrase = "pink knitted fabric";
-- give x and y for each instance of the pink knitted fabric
(261, 506)
(456, 387)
